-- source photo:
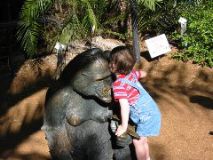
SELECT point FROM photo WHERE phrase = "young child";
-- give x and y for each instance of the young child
(135, 102)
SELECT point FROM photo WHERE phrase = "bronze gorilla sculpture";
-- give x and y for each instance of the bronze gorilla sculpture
(76, 116)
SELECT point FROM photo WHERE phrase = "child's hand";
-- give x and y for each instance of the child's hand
(143, 74)
(121, 130)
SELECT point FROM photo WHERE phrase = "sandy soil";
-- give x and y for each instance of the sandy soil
(182, 90)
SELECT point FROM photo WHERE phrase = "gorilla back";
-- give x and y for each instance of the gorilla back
(76, 110)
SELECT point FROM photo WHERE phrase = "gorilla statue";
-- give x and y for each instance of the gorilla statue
(76, 116)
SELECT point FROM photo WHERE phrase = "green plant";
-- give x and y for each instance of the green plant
(28, 27)
(48, 21)
(57, 20)
(162, 20)
(197, 42)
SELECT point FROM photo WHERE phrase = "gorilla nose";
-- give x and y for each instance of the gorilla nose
(106, 94)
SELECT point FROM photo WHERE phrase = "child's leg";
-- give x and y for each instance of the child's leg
(141, 148)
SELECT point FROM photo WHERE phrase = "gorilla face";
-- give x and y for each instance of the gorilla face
(95, 80)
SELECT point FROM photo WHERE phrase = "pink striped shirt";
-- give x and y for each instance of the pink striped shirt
(125, 91)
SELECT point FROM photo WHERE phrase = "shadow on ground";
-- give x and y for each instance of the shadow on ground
(182, 91)
(203, 101)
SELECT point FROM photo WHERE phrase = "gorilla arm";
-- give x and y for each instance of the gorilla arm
(78, 113)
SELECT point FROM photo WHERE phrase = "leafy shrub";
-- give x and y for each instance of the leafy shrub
(162, 20)
(197, 42)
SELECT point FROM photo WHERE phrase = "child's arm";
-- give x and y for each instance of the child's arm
(125, 109)
(140, 73)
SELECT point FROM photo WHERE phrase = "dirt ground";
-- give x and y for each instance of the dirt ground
(183, 91)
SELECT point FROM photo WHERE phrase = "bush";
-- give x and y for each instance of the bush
(162, 20)
(197, 42)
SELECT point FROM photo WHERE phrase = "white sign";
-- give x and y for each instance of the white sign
(183, 23)
(60, 46)
(158, 45)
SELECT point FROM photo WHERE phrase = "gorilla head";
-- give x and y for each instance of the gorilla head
(89, 75)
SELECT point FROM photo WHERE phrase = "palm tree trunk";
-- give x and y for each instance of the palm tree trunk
(136, 45)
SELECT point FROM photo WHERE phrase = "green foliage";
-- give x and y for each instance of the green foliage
(83, 20)
(151, 4)
(197, 42)
(162, 20)
(57, 20)
(28, 27)
(48, 21)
